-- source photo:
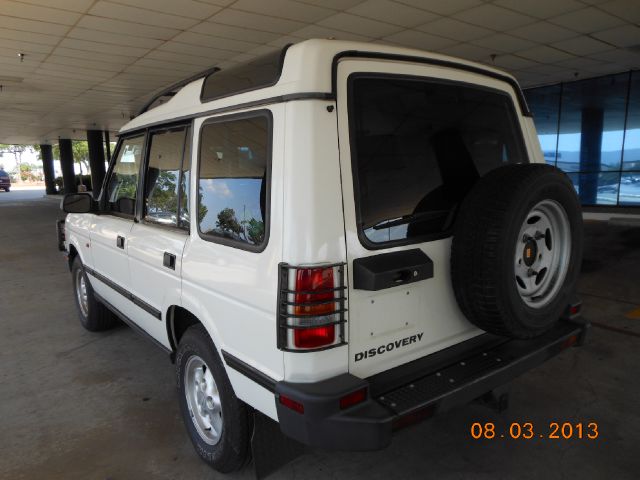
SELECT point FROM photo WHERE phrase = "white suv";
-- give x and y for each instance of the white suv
(345, 237)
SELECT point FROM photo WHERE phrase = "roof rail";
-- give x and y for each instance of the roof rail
(170, 89)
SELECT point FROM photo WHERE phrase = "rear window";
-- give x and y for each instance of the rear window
(418, 146)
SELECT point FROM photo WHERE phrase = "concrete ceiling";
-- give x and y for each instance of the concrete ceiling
(91, 64)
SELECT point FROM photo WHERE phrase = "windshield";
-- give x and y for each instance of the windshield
(418, 146)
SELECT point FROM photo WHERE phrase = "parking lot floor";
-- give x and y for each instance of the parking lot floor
(81, 405)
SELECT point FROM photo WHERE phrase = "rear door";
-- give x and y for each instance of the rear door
(157, 240)
(414, 138)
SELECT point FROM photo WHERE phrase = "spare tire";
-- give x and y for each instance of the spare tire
(517, 249)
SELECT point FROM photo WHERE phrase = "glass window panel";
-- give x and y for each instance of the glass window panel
(186, 181)
(630, 188)
(592, 124)
(597, 188)
(419, 146)
(232, 179)
(632, 136)
(544, 102)
(162, 182)
(258, 73)
(122, 186)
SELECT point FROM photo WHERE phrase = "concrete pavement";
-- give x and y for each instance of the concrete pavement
(81, 405)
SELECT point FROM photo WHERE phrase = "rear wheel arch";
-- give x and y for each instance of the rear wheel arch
(179, 319)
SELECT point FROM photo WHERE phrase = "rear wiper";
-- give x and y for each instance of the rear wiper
(414, 217)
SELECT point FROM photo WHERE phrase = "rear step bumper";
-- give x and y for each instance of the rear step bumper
(413, 391)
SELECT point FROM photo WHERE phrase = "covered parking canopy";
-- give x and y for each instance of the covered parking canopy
(68, 66)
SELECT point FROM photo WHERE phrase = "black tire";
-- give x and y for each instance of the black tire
(231, 451)
(97, 317)
(485, 242)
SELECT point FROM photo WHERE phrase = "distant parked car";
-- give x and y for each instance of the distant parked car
(5, 181)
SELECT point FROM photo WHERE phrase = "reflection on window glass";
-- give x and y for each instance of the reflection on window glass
(544, 103)
(123, 182)
(257, 73)
(630, 189)
(597, 144)
(632, 148)
(601, 186)
(632, 137)
(232, 179)
(186, 181)
(163, 176)
(594, 109)
(418, 148)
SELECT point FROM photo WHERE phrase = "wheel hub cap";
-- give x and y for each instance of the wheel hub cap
(81, 293)
(542, 254)
(530, 252)
(203, 400)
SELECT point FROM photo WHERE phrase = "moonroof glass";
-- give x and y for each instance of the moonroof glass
(262, 72)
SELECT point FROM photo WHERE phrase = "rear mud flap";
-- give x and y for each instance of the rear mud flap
(270, 448)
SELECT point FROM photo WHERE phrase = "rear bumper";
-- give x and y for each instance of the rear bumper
(414, 391)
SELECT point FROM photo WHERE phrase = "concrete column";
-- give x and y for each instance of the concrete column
(96, 160)
(47, 167)
(66, 163)
(590, 153)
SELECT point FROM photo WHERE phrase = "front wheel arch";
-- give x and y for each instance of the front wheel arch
(73, 253)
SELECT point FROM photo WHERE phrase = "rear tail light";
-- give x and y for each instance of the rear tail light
(311, 307)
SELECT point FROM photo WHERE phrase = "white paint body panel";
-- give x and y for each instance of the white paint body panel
(151, 281)
(111, 261)
(233, 292)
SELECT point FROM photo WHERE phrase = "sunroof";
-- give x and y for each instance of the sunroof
(262, 72)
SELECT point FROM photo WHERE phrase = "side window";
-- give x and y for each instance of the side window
(233, 180)
(164, 179)
(123, 183)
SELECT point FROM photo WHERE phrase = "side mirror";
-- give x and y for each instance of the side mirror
(78, 203)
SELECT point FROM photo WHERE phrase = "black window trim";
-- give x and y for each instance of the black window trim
(364, 240)
(103, 198)
(266, 113)
(140, 210)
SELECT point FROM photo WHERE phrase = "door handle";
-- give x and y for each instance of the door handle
(169, 260)
(120, 242)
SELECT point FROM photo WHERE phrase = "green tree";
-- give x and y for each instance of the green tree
(255, 231)
(16, 151)
(228, 223)
(164, 195)
(80, 151)
(30, 172)
(202, 208)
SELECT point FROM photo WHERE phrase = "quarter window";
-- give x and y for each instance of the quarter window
(123, 183)
(418, 146)
(233, 181)
(165, 185)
